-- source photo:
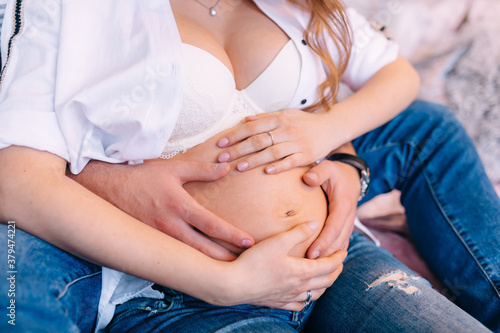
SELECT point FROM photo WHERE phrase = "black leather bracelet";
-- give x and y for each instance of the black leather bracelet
(359, 164)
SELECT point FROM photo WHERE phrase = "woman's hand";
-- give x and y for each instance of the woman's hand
(342, 186)
(279, 280)
(301, 138)
(288, 138)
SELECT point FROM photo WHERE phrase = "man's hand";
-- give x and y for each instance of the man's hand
(341, 183)
(153, 193)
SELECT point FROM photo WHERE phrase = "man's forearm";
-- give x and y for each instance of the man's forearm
(106, 180)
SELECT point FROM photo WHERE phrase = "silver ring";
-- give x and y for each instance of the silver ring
(272, 138)
(308, 300)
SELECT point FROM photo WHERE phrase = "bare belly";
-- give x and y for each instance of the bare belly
(261, 204)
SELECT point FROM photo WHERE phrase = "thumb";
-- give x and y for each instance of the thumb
(318, 174)
(297, 235)
(202, 171)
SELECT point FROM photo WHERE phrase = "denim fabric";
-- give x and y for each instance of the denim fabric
(377, 293)
(181, 313)
(54, 291)
(453, 214)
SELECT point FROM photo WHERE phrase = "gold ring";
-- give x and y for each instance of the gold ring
(272, 138)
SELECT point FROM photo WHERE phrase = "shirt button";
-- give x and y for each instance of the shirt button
(304, 42)
(304, 101)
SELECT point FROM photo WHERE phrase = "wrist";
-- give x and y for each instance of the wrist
(225, 284)
(359, 164)
(337, 138)
(343, 124)
(103, 179)
(346, 148)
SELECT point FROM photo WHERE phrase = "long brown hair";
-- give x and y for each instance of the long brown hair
(327, 17)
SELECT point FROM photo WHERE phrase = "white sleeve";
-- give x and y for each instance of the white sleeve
(371, 50)
(27, 114)
(90, 85)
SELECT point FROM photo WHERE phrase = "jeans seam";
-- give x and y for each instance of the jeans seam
(462, 240)
(436, 200)
(66, 287)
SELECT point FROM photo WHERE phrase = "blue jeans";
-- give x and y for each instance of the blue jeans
(453, 215)
(181, 313)
(452, 209)
(53, 291)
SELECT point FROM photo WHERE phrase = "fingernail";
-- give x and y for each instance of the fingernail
(312, 175)
(223, 142)
(246, 243)
(242, 166)
(315, 255)
(224, 157)
(270, 169)
(313, 225)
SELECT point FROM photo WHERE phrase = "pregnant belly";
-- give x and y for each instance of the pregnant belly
(261, 204)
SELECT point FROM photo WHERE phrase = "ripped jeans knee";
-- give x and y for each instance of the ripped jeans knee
(399, 280)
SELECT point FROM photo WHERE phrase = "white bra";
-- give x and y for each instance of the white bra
(211, 103)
